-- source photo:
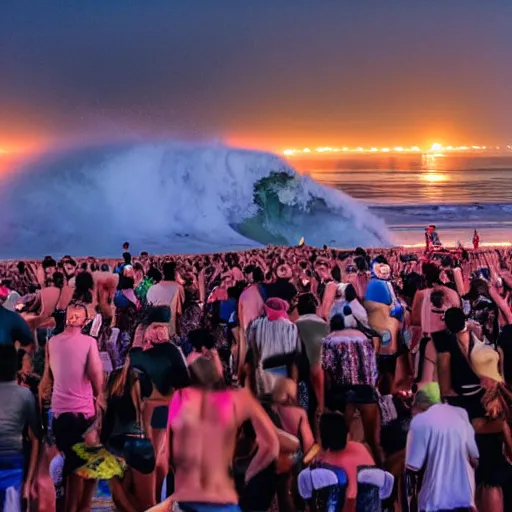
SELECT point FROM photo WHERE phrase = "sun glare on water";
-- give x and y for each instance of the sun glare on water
(433, 177)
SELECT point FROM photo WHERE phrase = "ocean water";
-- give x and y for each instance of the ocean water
(168, 197)
(457, 193)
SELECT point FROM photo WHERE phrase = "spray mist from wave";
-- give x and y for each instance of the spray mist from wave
(173, 198)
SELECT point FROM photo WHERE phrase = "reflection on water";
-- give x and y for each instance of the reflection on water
(417, 179)
(433, 177)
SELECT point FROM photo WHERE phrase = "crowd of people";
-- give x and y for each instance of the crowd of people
(284, 378)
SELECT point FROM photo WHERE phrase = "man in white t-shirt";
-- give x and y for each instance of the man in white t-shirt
(441, 441)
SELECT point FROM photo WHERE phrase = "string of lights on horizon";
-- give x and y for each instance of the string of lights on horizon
(435, 149)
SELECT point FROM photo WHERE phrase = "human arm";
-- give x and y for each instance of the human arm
(350, 467)
(486, 426)
(288, 443)
(417, 304)
(501, 303)
(459, 281)
(472, 447)
(328, 300)
(22, 332)
(150, 299)
(318, 384)
(32, 465)
(507, 277)
(212, 298)
(429, 364)
(441, 343)
(32, 422)
(475, 328)
(317, 379)
(266, 435)
(29, 298)
(444, 374)
(306, 434)
(45, 384)
(241, 342)
(350, 505)
(214, 355)
(502, 360)
(202, 285)
(181, 300)
(174, 409)
(94, 371)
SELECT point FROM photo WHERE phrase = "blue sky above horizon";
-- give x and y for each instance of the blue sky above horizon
(260, 73)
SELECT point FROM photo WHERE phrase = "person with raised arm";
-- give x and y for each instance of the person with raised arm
(202, 469)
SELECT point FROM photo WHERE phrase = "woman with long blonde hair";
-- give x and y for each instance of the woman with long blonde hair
(126, 391)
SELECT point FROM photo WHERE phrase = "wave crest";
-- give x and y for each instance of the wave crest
(170, 197)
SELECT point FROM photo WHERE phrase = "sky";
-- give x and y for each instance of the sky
(256, 73)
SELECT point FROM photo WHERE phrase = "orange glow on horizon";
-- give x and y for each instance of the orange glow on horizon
(35, 143)
(13, 154)
(14, 148)
(435, 150)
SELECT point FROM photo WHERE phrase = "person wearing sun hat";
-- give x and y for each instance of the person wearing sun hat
(276, 309)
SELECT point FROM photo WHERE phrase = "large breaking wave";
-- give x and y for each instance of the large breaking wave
(169, 197)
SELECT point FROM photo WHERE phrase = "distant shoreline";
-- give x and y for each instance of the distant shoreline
(112, 261)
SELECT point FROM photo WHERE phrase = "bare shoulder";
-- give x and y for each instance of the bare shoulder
(90, 341)
(245, 403)
(419, 294)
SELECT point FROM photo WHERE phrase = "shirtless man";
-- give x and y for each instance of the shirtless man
(203, 424)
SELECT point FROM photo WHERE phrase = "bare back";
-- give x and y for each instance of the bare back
(203, 427)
